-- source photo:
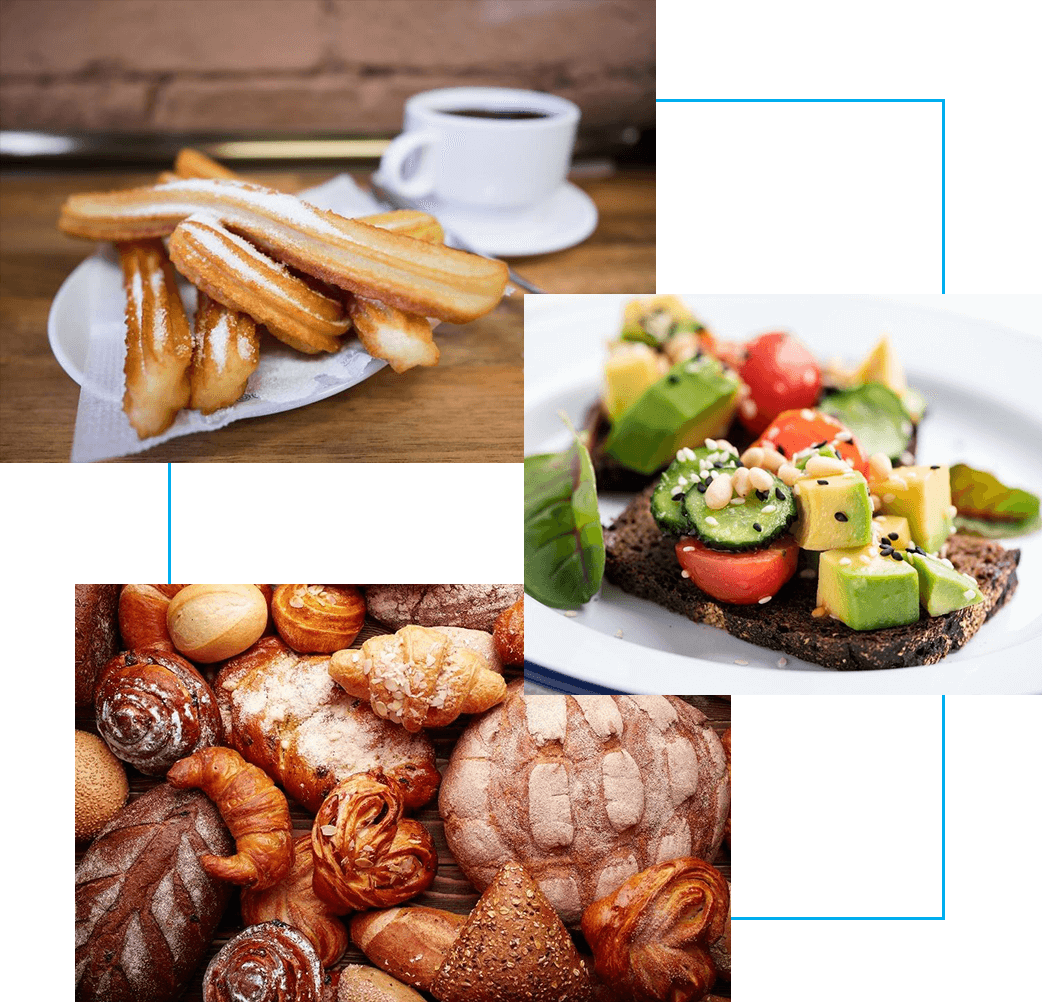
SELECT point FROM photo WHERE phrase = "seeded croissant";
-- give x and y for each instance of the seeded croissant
(418, 677)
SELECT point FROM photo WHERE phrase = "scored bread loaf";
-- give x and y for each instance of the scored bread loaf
(284, 713)
(584, 791)
(474, 606)
(97, 635)
(146, 910)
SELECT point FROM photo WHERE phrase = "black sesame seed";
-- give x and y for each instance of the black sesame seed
(779, 493)
(718, 464)
(840, 517)
(818, 445)
(702, 488)
(757, 527)
(896, 555)
(780, 448)
(763, 495)
(934, 467)
(891, 535)
(822, 482)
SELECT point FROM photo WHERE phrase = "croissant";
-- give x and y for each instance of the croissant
(418, 678)
(366, 854)
(270, 962)
(142, 616)
(254, 809)
(153, 708)
(652, 938)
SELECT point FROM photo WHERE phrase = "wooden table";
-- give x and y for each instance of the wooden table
(466, 409)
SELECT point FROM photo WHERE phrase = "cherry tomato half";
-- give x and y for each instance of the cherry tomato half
(739, 578)
(792, 431)
(781, 374)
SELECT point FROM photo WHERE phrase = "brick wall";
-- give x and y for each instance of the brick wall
(302, 65)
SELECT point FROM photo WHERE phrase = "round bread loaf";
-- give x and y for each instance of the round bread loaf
(97, 635)
(584, 791)
(474, 606)
(101, 785)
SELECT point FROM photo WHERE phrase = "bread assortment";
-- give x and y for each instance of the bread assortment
(320, 815)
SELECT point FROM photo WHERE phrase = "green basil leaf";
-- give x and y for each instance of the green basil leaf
(564, 541)
(981, 497)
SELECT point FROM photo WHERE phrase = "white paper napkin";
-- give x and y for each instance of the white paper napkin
(285, 378)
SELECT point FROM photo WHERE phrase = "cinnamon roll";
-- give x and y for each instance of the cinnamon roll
(366, 854)
(154, 708)
(270, 962)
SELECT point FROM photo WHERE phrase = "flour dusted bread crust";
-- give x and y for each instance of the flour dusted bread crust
(584, 791)
(97, 635)
(146, 910)
(474, 606)
(284, 713)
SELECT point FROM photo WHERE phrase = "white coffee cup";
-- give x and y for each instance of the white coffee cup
(469, 154)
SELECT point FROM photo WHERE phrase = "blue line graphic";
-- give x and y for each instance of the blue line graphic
(169, 519)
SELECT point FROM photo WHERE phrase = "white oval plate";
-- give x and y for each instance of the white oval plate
(984, 409)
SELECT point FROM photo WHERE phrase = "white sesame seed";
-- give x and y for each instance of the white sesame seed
(844, 560)
(684, 574)
(806, 414)
(618, 633)
(737, 501)
(764, 600)
(782, 662)
(740, 661)
(769, 508)
(968, 593)
(570, 613)
(688, 549)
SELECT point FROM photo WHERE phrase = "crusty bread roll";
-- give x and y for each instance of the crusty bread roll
(101, 785)
(584, 791)
(474, 606)
(213, 622)
(318, 619)
(97, 636)
(509, 634)
(409, 943)
(367, 984)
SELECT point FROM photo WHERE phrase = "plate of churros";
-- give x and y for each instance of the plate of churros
(222, 299)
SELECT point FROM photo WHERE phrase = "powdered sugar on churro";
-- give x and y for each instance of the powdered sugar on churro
(160, 319)
(218, 338)
(213, 242)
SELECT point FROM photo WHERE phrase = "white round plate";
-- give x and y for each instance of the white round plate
(68, 323)
(984, 409)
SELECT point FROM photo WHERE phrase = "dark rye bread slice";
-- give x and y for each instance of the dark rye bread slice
(613, 476)
(641, 561)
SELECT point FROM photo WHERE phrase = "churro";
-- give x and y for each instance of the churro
(232, 271)
(226, 350)
(403, 339)
(159, 345)
(416, 276)
(193, 163)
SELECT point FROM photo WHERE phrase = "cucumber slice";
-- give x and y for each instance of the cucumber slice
(667, 504)
(759, 520)
(876, 416)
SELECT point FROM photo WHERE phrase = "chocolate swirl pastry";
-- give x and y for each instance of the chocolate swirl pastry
(653, 939)
(270, 962)
(366, 854)
(154, 708)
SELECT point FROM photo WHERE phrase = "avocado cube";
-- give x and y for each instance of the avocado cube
(923, 495)
(866, 590)
(893, 529)
(631, 368)
(942, 588)
(655, 319)
(833, 512)
(694, 401)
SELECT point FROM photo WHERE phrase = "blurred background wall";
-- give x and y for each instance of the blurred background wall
(300, 66)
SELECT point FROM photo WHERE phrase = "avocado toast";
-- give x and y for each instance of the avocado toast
(641, 560)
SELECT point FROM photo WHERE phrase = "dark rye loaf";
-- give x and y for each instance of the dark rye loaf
(97, 635)
(641, 561)
(146, 911)
(472, 606)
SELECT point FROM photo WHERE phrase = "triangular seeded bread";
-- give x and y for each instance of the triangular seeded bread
(641, 561)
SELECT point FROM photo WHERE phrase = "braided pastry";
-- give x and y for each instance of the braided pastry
(270, 962)
(254, 809)
(318, 619)
(366, 854)
(153, 708)
(418, 677)
(652, 938)
(293, 901)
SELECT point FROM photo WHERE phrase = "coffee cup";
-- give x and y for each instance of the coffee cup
(482, 147)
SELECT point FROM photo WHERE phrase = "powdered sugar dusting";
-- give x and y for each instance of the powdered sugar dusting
(160, 317)
(217, 338)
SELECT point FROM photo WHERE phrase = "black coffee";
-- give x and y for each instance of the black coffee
(512, 115)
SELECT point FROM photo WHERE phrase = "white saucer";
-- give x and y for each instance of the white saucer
(565, 218)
